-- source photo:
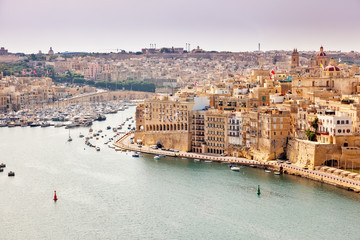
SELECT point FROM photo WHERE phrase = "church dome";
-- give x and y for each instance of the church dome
(332, 69)
(321, 53)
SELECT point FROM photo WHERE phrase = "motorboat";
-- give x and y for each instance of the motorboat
(196, 160)
(97, 149)
(156, 157)
(135, 155)
(45, 124)
(35, 124)
(277, 173)
(235, 168)
(267, 171)
(207, 161)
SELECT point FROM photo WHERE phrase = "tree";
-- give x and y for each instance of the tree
(310, 135)
(315, 124)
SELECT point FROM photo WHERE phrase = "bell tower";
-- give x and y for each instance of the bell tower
(295, 59)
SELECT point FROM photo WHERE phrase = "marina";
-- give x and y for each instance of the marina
(109, 194)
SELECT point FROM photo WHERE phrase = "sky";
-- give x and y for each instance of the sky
(221, 25)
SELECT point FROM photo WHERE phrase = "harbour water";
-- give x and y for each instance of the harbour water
(111, 195)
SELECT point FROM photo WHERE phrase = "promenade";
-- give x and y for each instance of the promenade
(124, 142)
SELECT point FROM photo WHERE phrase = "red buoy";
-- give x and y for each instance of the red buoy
(55, 197)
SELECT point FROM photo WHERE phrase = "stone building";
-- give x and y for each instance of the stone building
(167, 120)
(198, 131)
(216, 131)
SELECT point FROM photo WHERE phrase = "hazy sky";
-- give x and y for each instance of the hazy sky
(233, 25)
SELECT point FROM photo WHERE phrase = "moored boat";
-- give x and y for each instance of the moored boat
(235, 169)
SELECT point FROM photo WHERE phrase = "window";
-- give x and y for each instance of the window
(338, 122)
(342, 121)
(339, 131)
(348, 130)
(347, 121)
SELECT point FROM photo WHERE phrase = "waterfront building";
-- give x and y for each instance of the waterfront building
(166, 120)
(198, 131)
(216, 137)
(234, 129)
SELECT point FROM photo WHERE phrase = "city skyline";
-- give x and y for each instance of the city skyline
(220, 25)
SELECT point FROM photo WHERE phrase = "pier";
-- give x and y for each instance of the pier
(341, 181)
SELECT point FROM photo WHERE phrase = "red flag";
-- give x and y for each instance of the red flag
(47, 72)
(273, 72)
(24, 72)
(34, 71)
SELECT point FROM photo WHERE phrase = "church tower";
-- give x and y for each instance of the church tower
(295, 59)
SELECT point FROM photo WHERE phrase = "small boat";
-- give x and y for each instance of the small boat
(11, 174)
(116, 149)
(161, 155)
(34, 125)
(108, 127)
(267, 171)
(97, 149)
(207, 161)
(277, 173)
(235, 169)
(81, 135)
(196, 160)
(156, 157)
(45, 124)
(136, 155)
(2, 165)
(1, 169)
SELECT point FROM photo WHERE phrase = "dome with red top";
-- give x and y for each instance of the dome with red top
(321, 53)
(332, 69)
